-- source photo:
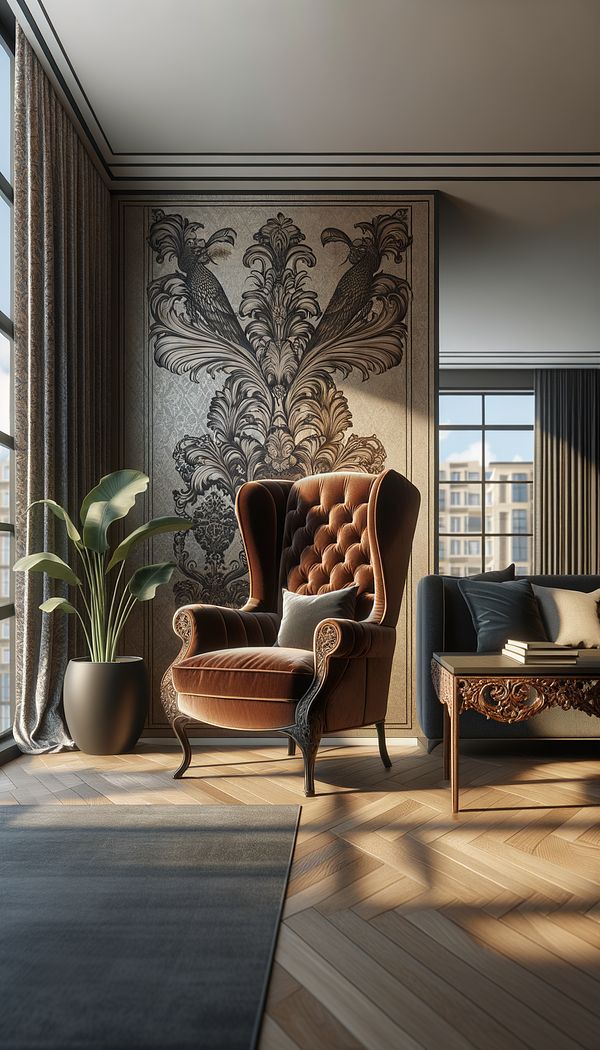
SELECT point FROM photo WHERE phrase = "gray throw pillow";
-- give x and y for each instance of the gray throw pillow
(302, 613)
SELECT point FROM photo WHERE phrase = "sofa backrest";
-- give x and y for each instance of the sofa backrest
(457, 625)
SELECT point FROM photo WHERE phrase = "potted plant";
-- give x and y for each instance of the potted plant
(105, 695)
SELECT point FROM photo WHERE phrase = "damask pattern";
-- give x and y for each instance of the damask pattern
(279, 412)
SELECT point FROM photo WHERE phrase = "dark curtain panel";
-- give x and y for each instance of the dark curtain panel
(567, 464)
(62, 286)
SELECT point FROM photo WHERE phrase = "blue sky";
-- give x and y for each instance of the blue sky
(500, 409)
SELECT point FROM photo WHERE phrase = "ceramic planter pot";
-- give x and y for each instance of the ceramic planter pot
(106, 704)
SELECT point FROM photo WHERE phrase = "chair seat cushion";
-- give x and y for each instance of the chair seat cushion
(248, 673)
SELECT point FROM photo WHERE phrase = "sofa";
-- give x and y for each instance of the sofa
(444, 624)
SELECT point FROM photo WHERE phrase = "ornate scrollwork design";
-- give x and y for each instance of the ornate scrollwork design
(183, 626)
(517, 699)
(168, 695)
(278, 411)
(307, 727)
(327, 641)
(582, 694)
(442, 683)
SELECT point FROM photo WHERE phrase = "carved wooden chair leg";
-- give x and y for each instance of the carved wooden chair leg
(291, 746)
(309, 754)
(179, 727)
(383, 751)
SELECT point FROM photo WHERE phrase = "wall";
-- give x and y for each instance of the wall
(520, 272)
(215, 394)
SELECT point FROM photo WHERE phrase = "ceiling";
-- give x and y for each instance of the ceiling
(424, 88)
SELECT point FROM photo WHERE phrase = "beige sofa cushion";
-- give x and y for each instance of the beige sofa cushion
(570, 617)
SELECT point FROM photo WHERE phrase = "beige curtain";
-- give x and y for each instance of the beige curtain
(62, 372)
(567, 466)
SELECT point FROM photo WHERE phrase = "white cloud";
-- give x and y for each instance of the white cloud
(472, 453)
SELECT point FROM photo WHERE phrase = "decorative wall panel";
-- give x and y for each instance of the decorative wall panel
(272, 336)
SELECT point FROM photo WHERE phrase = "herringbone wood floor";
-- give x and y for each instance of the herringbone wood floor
(404, 929)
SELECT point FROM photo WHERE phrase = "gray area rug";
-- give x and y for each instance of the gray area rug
(139, 926)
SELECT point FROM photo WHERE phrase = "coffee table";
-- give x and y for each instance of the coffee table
(501, 689)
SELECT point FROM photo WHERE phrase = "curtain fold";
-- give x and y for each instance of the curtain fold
(62, 373)
(567, 465)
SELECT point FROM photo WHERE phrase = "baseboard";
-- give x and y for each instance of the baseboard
(262, 741)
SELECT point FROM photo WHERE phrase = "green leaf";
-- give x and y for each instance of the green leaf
(57, 603)
(59, 512)
(111, 499)
(151, 528)
(49, 563)
(145, 581)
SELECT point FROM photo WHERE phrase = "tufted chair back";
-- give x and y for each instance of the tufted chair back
(329, 531)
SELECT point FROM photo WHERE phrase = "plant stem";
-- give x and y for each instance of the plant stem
(122, 620)
(125, 596)
(87, 637)
(91, 606)
(110, 625)
(98, 563)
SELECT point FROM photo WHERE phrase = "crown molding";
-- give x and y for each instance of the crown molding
(518, 359)
(138, 171)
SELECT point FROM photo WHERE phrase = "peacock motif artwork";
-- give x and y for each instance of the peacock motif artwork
(278, 412)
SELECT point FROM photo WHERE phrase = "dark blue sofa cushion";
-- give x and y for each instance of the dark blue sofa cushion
(501, 611)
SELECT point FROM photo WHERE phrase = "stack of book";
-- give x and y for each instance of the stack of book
(540, 654)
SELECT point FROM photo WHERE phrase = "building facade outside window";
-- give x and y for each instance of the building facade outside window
(486, 460)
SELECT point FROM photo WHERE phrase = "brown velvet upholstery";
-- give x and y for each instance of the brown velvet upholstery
(321, 533)
(261, 672)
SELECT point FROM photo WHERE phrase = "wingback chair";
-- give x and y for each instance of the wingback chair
(319, 534)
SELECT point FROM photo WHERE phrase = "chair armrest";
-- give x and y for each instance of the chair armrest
(352, 639)
(335, 642)
(203, 628)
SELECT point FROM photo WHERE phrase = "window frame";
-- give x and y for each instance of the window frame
(7, 607)
(484, 483)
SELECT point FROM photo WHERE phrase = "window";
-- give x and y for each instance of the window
(7, 609)
(520, 548)
(519, 521)
(454, 547)
(520, 490)
(486, 450)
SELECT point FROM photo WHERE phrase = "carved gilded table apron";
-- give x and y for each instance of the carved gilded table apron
(499, 689)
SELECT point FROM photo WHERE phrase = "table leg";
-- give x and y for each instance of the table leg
(446, 742)
(454, 749)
